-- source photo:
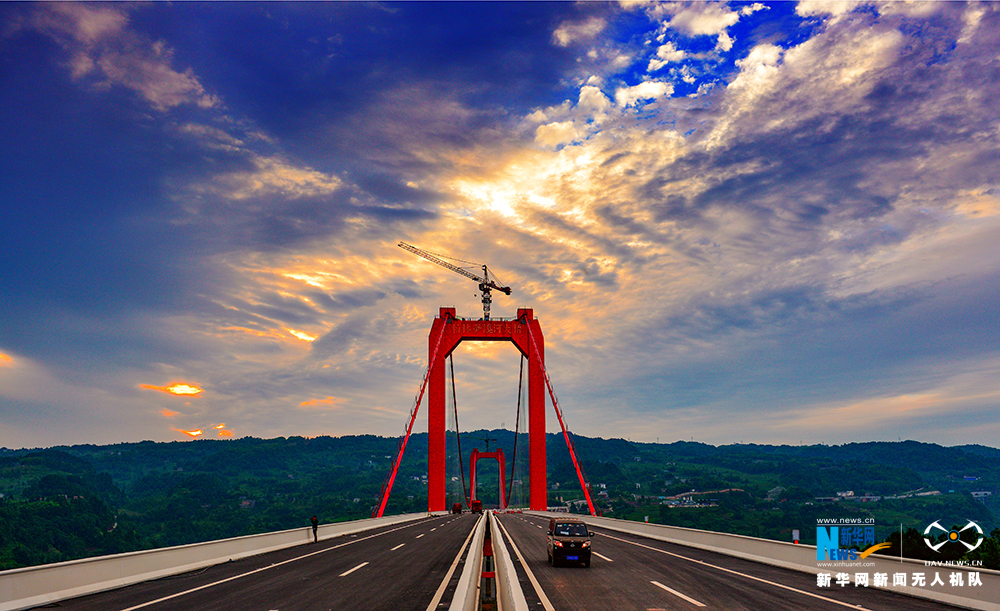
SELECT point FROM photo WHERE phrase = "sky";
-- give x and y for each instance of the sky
(736, 222)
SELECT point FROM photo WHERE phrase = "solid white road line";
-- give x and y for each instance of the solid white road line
(451, 571)
(346, 573)
(546, 605)
(676, 593)
(397, 547)
(602, 556)
(732, 572)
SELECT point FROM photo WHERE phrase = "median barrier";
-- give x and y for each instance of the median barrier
(803, 558)
(508, 585)
(468, 583)
(49, 583)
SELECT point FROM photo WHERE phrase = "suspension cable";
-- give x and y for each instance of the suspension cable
(387, 484)
(517, 427)
(566, 435)
(458, 435)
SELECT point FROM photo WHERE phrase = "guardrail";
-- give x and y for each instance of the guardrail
(40, 585)
(803, 558)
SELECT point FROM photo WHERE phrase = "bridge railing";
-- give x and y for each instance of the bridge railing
(49, 583)
(803, 558)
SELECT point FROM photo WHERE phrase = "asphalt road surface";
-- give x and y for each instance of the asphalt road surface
(629, 572)
(401, 567)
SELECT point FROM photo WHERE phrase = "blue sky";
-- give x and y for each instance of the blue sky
(757, 222)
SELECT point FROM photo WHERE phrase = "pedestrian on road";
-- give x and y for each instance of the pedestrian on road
(315, 524)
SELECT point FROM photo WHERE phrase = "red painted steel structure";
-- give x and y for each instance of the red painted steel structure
(447, 332)
(473, 459)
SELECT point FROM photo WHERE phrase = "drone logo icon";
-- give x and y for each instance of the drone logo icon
(954, 536)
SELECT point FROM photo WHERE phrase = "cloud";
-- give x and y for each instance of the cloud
(326, 403)
(646, 90)
(833, 8)
(554, 134)
(101, 44)
(667, 53)
(704, 19)
(569, 33)
(812, 234)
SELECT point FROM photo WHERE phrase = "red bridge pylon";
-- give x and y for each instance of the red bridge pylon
(447, 332)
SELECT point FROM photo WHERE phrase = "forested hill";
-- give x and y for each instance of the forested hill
(76, 501)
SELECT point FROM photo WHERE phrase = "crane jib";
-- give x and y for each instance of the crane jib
(486, 286)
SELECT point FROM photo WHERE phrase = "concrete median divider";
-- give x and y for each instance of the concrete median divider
(468, 583)
(985, 597)
(41, 585)
(508, 585)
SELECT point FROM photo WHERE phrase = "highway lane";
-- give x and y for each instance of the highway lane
(399, 567)
(629, 572)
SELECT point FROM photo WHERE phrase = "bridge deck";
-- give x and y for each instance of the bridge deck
(402, 567)
(405, 566)
(625, 570)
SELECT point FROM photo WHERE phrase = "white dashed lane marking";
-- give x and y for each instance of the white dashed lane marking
(346, 573)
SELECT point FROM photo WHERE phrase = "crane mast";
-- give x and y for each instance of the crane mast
(486, 285)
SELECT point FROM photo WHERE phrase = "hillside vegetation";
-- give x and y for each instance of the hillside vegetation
(72, 502)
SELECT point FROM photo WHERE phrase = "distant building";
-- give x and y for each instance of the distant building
(982, 494)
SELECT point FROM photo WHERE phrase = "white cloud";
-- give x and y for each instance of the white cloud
(750, 9)
(554, 134)
(725, 42)
(593, 101)
(667, 53)
(835, 8)
(646, 90)
(569, 33)
(704, 19)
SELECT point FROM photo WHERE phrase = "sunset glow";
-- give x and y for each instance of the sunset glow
(179, 388)
(194, 433)
(302, 335)
(331, 401)
(5, 360)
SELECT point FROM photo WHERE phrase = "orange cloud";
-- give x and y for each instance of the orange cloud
(225, 433)
(302, 335)
(194, 433)
(178, 388)
(5, 360)
(320, 402)
(168, 413)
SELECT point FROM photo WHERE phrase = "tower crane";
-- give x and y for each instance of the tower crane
(486, 285)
